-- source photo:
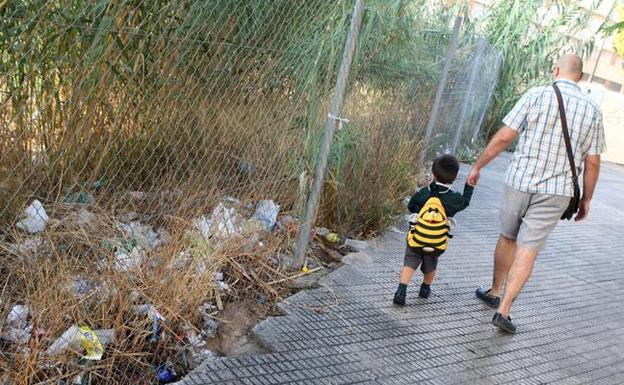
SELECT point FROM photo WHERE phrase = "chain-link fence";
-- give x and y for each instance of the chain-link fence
(148, 130)
(465, 99)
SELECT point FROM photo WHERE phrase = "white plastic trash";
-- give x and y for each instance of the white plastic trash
(18, 315)
(202, 224)
(266, 213)
(71, 339)
(35, 218)
(129, 261)
(224, 222)
(357, 245)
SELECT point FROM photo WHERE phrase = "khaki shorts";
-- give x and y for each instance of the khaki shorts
(530, 218)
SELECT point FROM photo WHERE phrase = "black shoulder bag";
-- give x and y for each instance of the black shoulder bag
(573, 207)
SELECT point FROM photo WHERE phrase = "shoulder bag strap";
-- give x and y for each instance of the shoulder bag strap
(566, 137)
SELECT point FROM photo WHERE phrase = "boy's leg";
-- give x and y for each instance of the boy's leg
(406, 275)
(428, 278)
(428, 267)
(410, 264)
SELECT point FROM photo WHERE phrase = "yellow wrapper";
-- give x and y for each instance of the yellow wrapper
(91, 343)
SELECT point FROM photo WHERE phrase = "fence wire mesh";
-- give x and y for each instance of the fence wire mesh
(135, 123)
(466, 98)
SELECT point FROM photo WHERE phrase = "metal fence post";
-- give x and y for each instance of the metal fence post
(450, 53)
(312, 202)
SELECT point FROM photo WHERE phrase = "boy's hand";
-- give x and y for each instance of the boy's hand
(473, 177)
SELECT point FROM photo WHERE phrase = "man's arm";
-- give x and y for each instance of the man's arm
(501, 140)
(590, 179)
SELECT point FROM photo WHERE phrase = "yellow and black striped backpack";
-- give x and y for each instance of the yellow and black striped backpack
(430, 233)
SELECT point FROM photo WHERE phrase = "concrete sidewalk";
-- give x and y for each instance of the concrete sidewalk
(569, 316)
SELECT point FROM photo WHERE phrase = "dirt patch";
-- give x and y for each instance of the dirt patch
(236, 320)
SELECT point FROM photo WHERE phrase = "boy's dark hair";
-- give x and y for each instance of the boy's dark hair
(445, 168)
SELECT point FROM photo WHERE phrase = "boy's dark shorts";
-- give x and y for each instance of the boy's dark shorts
(413, 259)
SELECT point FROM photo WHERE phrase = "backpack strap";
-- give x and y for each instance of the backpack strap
(566, 137)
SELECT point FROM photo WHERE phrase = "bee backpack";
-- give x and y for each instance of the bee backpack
(430, 233)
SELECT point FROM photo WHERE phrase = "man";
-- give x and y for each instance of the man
(539, 180)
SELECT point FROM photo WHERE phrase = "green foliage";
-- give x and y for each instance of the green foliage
(618, 39)
(530, 36)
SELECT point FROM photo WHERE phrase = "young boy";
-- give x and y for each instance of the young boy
(444, 169)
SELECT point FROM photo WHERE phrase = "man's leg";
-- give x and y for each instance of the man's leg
(503, 258)
(540, 219)
(519, 274)
(513, 207)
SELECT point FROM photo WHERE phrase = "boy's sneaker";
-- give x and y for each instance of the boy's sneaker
(399, 297)
(425, 291)
(490, 300)
(503, 323)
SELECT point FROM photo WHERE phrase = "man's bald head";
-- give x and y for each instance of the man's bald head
(569, 66)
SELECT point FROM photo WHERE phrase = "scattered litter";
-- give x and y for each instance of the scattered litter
(18, 336)
(129, 217)
(137, 195)
(35, 245)
(223, 286)
(85, 217)
(209, 327)
(155, 317)
(261, 300)
(206, 309)
(322, 231)
(335, 238)
(81, 339)
(81, 197)
(224, 222)
(246, 168)
(127, 261)
(199, 351)
(266, 213)
(91, 343)
(18, 315)
(35, 218)
(143, 234)
(202, 224)
(355, 244)
(218, 276)
(166, 373)
(17, 330)
(232, 200)
(163, 236)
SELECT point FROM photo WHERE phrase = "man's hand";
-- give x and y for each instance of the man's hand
(501, 140)
(583, 210)
(473, 177)
(590, 178)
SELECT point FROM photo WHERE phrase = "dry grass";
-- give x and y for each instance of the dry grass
(44, 280)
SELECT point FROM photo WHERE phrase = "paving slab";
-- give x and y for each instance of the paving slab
(570, 316)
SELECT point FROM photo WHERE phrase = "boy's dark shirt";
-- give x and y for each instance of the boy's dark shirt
(452, 201)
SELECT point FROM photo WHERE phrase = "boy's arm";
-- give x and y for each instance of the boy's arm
(416, 202)
(467, 196)
(463, 200)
